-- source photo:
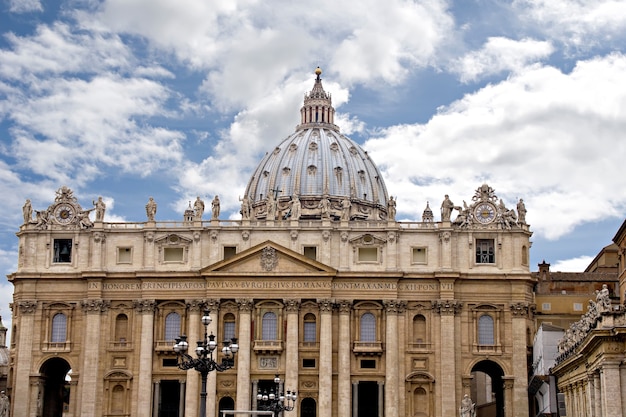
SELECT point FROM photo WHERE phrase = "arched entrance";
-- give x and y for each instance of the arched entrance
(56, 391)
(226, 403)
(487, 389)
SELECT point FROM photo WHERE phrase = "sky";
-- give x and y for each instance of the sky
(174, 99)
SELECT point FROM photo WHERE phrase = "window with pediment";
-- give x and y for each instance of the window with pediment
(173, 248)
(367, 325)
(269, 329)
(487, 327)
(58, 330)
(171, 323)
(368, 248)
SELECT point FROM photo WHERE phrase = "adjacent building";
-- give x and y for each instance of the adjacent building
(590, 367)
(359, 313)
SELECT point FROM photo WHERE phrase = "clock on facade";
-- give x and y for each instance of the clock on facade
(485, 213)
(64, 213)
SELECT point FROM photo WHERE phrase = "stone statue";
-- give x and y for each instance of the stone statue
(5, 405)
(296, 208)
(270, 207)
(446, 209)
(467, 408)
(151, 209)
(391, 208)
(215, 208)
(245, 207)
(100, 208)
(27, 211)
(325, 206)
(603, 300)
(346, 204)
(198, 207)
(42, 219)
(521, 212)
(83, 219)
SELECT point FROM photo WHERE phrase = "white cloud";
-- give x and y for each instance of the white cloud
(582, 24)
(24, 6)
(553, 139)
(499, 55)
(572, 265)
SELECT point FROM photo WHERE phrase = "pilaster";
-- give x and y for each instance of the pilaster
(90, 381)
(22, 388)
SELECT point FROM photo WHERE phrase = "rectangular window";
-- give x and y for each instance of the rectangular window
(169, 362)
(368, 254)
(578, 307)
(172, 254)
(368, 364)
(546, 306)
(308, 363)
(229, 252)
(485, 251)
(310, 252)
(419, 256)
(124, 255)
(62, 250)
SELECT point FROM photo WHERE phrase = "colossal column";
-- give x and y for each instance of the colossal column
(90, 383)
(243, 357)
(291, 373)
(326, 358)
(25, 320)
(145, 309)
(343, 376)
(391, 358)
(520, 314)
(447, 310)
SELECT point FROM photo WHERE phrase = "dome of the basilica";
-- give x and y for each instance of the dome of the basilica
(316, 172)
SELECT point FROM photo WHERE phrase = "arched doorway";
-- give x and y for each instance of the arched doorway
(226, 403)
(487, 389)
(56, 392)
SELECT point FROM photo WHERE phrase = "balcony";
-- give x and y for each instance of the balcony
(368, 348)
(56, 346)
(268, 346)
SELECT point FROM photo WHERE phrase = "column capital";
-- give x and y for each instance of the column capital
(447, 307)
(245, 304)
(212, 304)
(344, 306)
(508, 382)
(292, 305)
(394, 306)
(194, 305)
(325, 305)
(27, 306)
(522, 310)
(95, 305)
(144, 306)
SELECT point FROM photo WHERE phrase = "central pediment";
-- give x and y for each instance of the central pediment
(269, 258)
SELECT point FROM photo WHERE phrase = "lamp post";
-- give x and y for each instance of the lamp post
(276, 400)
(204, 363)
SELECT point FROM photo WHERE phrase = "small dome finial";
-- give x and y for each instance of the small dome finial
(318, 71)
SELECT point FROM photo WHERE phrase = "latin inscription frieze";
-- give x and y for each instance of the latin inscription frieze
(271, 285)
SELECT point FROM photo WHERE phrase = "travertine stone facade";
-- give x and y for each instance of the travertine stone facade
(360, 314)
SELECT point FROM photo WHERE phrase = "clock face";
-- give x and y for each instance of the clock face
(64, 213)
(485, 213)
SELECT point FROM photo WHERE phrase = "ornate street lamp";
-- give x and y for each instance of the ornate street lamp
(276, 401)
(204, 363)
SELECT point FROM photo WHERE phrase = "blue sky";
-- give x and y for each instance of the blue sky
(128, 99)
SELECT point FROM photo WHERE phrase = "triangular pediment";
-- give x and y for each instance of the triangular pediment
(269, 258)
